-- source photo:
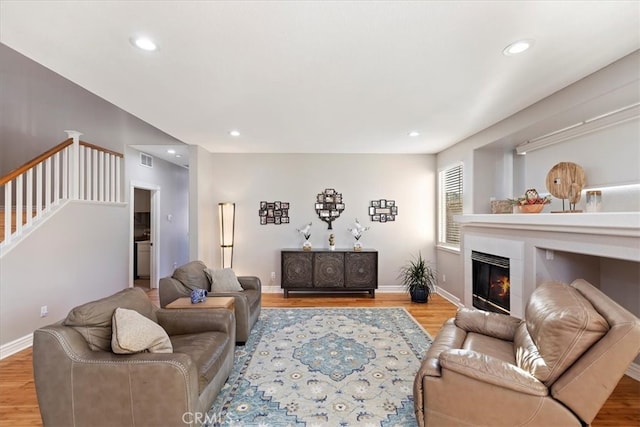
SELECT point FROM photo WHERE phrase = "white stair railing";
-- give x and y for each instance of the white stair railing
(72, 170)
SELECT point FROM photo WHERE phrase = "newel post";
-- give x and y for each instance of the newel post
(75, 163)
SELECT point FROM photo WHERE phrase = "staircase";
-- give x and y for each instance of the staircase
(13, 222)
(72, 170)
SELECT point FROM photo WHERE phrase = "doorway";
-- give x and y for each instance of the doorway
(145, 236)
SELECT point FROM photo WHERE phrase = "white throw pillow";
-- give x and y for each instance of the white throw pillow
(134, 333)
(223, 280)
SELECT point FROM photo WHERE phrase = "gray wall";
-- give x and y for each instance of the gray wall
(37, 105)
(78, 254)
(172, 182)
(297, 179)
(82, 251)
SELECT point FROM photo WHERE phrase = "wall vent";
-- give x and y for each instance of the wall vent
(146, 160)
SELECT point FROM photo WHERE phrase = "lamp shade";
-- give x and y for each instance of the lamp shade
(227, 215)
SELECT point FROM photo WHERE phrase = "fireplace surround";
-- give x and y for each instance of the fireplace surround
(508, 250)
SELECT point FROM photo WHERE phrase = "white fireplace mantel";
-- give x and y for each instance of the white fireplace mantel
(605, 223)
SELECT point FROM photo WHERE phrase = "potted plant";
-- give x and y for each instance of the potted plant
(418, 278)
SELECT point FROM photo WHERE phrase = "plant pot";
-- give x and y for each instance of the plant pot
(419, 295)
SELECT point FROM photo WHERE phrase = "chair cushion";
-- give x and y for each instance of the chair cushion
(192, 275)
(93, 319)
(134, 333)
(560, 325)
(223, 280)
(206, 350)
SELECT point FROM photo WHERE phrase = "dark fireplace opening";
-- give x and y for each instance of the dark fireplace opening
(491, 286)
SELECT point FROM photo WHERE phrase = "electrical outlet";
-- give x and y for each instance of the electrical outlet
(273, 275)
(44, 311)
(444, 278)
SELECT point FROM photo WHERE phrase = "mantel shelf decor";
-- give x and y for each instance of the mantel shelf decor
(329, 206)
(565, 181)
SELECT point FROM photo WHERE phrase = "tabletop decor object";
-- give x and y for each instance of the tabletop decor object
(565, 181)
(356, 232)
(306, 233)
(531, 202)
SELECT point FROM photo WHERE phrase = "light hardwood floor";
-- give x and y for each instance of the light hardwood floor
(19, 406)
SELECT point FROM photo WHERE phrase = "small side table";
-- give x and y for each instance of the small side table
(210, 302)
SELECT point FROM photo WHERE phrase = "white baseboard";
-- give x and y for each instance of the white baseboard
(15, 346)
(633, 371)
(276, 289)
(449, 297)
(271, 289)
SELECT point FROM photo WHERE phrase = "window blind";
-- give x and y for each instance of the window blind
(451, 204)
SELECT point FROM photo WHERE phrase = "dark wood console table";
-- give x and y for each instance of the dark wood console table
(323, 270)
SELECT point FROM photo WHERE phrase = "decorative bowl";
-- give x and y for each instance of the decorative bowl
(537, 208)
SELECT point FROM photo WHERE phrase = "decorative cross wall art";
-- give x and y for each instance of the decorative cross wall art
(383, 210)
(329, 205)
(274, 213)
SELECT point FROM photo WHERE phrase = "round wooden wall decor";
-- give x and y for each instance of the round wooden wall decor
(565, 181)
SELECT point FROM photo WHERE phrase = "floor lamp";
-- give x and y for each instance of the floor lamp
(227, 212)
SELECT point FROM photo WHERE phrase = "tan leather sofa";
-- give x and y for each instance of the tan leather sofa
(81, 382)
(248, 302)
(555, 368)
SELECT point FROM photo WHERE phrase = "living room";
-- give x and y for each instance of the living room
(96, 239)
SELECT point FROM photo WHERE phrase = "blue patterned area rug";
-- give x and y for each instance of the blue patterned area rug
(324, 367)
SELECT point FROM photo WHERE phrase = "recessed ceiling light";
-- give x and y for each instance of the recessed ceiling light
(234, 133)
(144, 43)
(414, 133)
(178, 155)
(171, 151)
(517, 47)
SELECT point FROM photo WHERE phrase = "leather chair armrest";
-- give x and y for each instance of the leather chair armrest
(192, 321)
(250, 282)
(170, 290)
(481, 367)
(491, 324)
(63, 362)
(449, 337)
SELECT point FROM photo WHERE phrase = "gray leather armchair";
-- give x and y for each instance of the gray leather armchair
(248, 302)
(555, 368)
(81, 382)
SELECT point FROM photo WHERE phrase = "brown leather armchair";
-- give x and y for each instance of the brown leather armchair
(555, 368)
(80, 381)
(247, 303)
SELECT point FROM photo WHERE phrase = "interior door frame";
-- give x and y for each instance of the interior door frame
(155, 231)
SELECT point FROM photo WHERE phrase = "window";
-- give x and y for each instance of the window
(450, 204)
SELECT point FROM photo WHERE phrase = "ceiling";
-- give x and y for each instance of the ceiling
(321, 76)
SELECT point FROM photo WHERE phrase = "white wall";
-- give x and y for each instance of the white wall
(297, 179)
(78, 254)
